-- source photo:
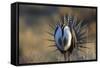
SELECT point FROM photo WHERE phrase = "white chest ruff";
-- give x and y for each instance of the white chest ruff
(68, 35)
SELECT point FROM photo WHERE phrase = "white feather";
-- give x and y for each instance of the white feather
(67, 34)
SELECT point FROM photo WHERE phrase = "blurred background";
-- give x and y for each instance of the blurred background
(33, 28)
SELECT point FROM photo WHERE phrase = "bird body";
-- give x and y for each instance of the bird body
(69, 35)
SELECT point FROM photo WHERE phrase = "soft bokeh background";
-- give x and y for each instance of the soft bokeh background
(33, 27)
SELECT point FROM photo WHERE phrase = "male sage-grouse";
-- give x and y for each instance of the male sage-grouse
(69, 34)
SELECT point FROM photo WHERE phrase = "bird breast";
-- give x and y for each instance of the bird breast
(63, 38)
